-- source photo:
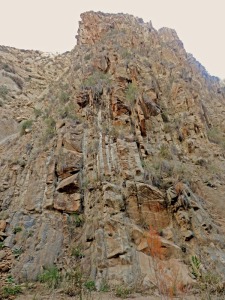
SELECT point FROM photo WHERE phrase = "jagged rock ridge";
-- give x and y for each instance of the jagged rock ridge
(123, 133)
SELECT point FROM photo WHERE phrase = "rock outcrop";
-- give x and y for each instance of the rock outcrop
(97, 145)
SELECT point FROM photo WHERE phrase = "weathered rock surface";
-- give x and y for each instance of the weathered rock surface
(126, 134)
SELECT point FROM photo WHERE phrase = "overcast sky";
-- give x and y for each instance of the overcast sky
(51, 25)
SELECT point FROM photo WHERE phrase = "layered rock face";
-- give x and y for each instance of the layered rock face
(122, 134)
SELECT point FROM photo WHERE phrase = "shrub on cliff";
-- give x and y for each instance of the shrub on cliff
(216, 136)
(26, 125)
(96, 82)
(50, 276)
(131, 92)
(3, 91)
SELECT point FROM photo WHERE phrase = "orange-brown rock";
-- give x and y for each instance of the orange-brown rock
(2, 225)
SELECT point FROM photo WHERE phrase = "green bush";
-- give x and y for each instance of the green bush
(211, 284)
(90, 285)
(11, 290)
(131, 92)
(77, 252)
(17, 252)
(51, 277)
(68, 111)
(25, 125)
(73, 283)
(195, 265)
(122, 292)
(104, 287)
(50, 130)
(76, 220)
(17, 229)
(64, 96)
(96, 82)
(10, 279)
(161, 168)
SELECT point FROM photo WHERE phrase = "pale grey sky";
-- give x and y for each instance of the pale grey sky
(51, 25)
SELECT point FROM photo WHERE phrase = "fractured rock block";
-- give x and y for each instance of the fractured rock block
(2, 225)
(70, 185)
(67, 203)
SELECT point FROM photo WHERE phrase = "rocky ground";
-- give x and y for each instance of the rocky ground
(112, 163)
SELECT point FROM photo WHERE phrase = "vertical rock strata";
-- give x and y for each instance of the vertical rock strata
(126, 134)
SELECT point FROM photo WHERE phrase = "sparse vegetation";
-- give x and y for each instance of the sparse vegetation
(195, 265)
(89, 285)
(165, 117)
(11, 290)
(37, 112)
(73, 283)
(77, 67)
(131, 92)
(51, 277)
(77, 252)
(118, 131)
(17, 251)
(18, 81)
(3, 91)
(64, 96)
(167, 283)
(161, 168)
(21, 162)
(165, 152)
(76, 219)
(126, 54)
(87, 57)
(104, 287)
(10, 279)
(8, 68)
(68, 111)
(26, 125)
(216, 136)
(167, 127)
(211, 283)
(122, 291)
(158, 169)
(50, 129)
(96, 82)
(50, 123)
(104, 127)
(17, 229)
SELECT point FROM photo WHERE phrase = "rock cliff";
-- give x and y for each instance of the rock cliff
(101, 146)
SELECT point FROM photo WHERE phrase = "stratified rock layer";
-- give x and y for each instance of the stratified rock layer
(125, 136)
